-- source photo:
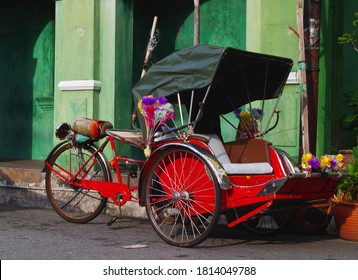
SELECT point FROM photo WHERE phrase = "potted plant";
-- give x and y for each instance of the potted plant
(345, 202)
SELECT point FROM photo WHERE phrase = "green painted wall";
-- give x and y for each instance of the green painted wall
(268, 32)
(338, 77)
(329, 126)
(95, 42)
(26, 78)
(77, 58)
(222, 22)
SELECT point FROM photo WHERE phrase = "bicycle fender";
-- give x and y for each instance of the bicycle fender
(59, 145)
(205, 155)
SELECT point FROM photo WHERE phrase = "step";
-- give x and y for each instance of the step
(22, 183)
(22, 173)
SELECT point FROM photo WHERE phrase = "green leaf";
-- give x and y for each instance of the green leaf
(350, 117)
(355, 155)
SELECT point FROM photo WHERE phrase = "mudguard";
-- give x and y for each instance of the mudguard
(58, 146)
(205, 155)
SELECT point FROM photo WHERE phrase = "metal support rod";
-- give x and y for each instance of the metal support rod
(180, 109)
(196, 22)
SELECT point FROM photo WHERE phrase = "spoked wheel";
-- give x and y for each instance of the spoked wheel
(72, 203)
(268, 224)
(183, 198)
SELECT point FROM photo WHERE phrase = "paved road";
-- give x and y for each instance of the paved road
(27, 233)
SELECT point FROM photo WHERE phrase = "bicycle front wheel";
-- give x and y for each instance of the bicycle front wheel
(72, 203)
(183, 198)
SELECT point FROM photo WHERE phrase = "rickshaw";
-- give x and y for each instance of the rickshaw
(191, 177)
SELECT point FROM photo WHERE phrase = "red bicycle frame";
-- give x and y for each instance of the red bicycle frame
(118, 191)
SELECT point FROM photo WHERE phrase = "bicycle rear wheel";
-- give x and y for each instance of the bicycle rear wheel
(72, 203)
(183, 198)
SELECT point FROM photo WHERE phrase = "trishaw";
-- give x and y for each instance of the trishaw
(190, 176)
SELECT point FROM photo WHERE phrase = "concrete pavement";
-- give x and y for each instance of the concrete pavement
(30, 229)
(40, 234)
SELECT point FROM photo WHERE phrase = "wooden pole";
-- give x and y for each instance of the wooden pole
(152, 43)
(150, 47)
(305, 144)
(196, 22)
(196, 42)
(312, 22)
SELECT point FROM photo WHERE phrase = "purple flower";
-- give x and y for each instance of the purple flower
(314, 162)
(148, 100)
(334, 164)
(162, 100)
(237, 112)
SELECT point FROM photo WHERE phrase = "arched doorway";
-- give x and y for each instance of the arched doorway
(26, 78)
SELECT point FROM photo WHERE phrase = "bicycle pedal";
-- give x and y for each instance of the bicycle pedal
(112, 220)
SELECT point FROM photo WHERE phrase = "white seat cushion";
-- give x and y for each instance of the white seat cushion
(248, 168)
(218, 148)
(235, 168)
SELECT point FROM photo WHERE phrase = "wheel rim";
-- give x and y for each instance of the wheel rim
(72, 203)
(183, 199)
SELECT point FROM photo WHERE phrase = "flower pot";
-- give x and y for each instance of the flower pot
(346, 218)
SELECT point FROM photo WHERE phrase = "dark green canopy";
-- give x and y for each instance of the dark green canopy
(236, 77)
(244, 76)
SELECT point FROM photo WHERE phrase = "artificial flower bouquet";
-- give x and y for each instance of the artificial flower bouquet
(326, 163)
(249, 123)
(156, 111)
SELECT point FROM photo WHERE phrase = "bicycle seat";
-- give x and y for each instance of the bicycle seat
(95, 129)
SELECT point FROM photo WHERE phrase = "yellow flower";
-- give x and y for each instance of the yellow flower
(340, 157)
(306, 158)
(140, 107)
(304, 161)
(325, 162)
(246, 118)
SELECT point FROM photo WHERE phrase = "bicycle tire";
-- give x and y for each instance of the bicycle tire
(182, 198)
(75, 204)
